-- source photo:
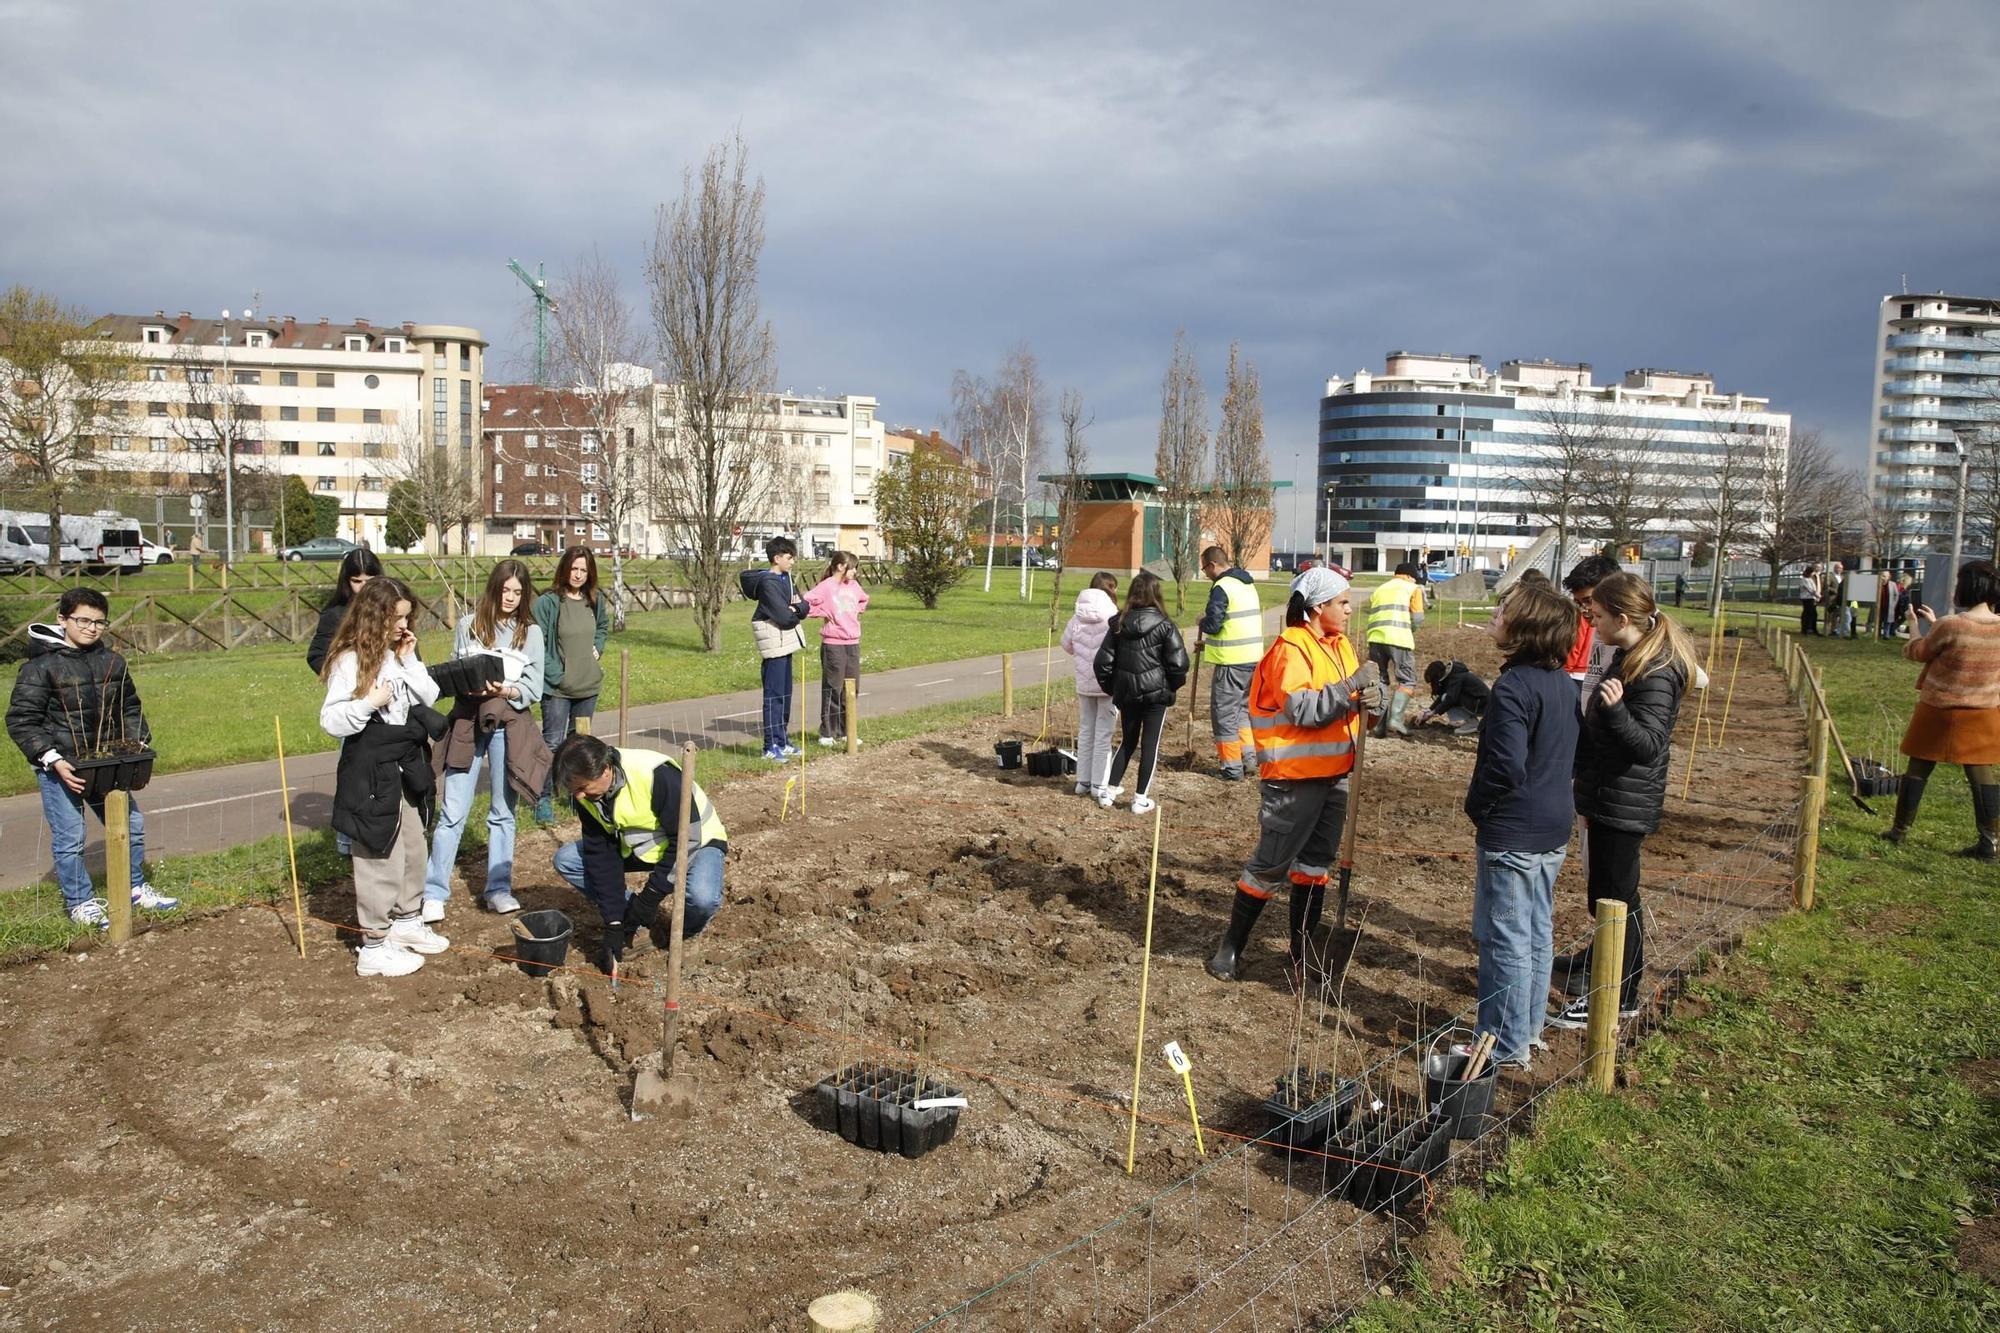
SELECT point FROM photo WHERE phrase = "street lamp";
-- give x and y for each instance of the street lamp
(1328, 555)
(228, 449)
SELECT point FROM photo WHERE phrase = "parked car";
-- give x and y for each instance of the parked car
(152, 553)
(532, 548)
(320, 548)
(109, 540)
(24, 542)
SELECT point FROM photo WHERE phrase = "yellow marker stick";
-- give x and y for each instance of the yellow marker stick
(1177, 1058)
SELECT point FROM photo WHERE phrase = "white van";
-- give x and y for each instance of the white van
(108, 541)
(24, 541)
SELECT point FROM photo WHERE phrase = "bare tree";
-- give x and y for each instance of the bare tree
(717, 455)
(219, 440)
(1242, 464)
(1630, 485)
(63, 388)
(439, 481)
(597, 351)
(1802, 491)
(1180, 462)
(1017, 405)
(1727, 503)
(973, 421)
(1568, 452)
(1070, 490)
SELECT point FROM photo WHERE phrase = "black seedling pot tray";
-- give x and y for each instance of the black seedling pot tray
(1052, 763)
(468, 675)
(1302, 1120)
(119, 772)
(873, 1106)
(1872, 779)
(1392, 1159)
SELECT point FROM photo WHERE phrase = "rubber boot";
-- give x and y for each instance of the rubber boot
(1399, 704)
(1986, 810)
(1909, 795)
(1227, 965)
(1307, 901)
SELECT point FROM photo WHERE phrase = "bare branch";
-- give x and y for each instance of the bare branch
(1180, 462)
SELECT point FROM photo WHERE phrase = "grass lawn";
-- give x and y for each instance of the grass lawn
(209, 709)
(1806, 1143)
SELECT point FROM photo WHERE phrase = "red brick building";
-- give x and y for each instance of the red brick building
(544, 470)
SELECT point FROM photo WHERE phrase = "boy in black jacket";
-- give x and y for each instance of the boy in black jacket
(775, 617)
(72, 698)
(1458, 698)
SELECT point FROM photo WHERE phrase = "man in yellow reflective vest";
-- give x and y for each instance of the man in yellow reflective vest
(1232, 639)
(629, 803)
(1306, 702)
(1394, 612)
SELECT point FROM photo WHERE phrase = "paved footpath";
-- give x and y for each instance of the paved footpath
(212, 809)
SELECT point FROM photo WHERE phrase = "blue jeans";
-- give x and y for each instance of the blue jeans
(559, 721)
(704, 892)
(777, 701)
(460, 785)
(63, 809)
(1513, 923)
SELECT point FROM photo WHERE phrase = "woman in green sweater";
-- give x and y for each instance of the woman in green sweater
(575, 622)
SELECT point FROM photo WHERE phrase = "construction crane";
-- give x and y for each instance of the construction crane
(544, 303)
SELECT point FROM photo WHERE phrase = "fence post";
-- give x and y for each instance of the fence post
(118, 863)
(850, 694)
(193, 560)
(1607, 979)
(624, 692)
(1006, 684)
(580, 724)
(152, 624)
(1805, 856)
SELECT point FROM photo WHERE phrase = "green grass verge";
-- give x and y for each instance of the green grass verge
(32, 919)
(210, 709)
(1798, 1148)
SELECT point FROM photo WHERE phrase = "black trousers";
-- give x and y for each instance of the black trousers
(1142, 724)
(1612, 871)
(1808, 617)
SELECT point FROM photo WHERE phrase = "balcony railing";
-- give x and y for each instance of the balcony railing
(1930, 434)
(1941, 389)
(1897, 342)
(1948, 365)
(1987, 412)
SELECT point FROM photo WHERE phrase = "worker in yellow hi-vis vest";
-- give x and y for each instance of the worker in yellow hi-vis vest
(1232, 639)
(1394, 612)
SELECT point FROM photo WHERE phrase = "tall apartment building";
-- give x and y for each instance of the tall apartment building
(341, 406)
(1937, 381)
(1438, 454)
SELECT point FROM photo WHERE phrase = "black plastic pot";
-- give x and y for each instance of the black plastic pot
(549, 947)
(874, 1106)
(1008, 753)
(1871, 778)
(1302, 1119)
(1052, 763)
(1464, 1104)
(118, 772)
(1393, 1159)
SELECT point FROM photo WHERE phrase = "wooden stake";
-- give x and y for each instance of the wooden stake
(670, 1016)
(1729, 700)
(1694, 740)
(1607, 976)
(118, 863)
(1482, 1050)
(805, 676)
(849, 697)
(1194, 690)
(843, 1312)
(291, 845)
(580, 725)
(1006, 684)
(1145, 979)
(1805, 856)
(624, 692)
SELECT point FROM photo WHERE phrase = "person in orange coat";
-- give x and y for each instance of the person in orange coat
(1306, 702)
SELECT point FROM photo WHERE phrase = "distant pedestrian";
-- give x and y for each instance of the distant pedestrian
(1095, 712)
(1142, 665)
(776, 613)
(1957, 717)
(838, 600)
(575, 622)
(1833, 600)
(1809, 591)
(356, 568)
(1680, 590)
(73, 699)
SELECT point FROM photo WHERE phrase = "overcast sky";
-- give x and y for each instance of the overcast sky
(1728, 187)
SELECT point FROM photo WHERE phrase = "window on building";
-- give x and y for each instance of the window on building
(533, 469)
(121, 444)
(156, 374)
(356, 343)
(589, 502)
(548, 501)
(326, 449)
(323, 379)
(530, 442)
(200, 375)
(156, 409)
(154, 334)
(587, 474)
(254, 339)
(465, 356)
(325, 484)
(529, 501)
(371, 449)
(248, 376)
(822, 441)
(437, 356)
(157, 444)
(288, 448)
(392, 345)
(371, 483)
(496, 474)
(288, 379)
(589, 442)
(371, 381)
(322, 414)
(288, 414)
(440, 406)
(371, 416)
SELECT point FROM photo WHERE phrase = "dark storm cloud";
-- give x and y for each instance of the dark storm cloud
(1630, 185)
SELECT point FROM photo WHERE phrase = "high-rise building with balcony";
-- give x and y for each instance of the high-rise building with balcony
(1937, 386)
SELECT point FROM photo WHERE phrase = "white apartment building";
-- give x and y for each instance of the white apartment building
(338, 405)
(1937, 382)
(1437, 455)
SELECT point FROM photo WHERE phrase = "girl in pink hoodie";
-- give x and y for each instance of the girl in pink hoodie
(1094, 712)
(838, 600)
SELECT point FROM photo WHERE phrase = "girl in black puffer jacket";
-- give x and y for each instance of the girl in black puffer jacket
(1622, 755)
(1142, 664)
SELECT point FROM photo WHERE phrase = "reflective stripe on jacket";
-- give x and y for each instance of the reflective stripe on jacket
(1299, 733)
(632, 819)
(1389, 613)
(1241, 640)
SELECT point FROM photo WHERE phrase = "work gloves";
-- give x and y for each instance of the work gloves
(1368, 688)
(613, 948)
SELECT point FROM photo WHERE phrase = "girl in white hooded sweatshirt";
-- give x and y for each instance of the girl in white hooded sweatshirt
(1081, 639)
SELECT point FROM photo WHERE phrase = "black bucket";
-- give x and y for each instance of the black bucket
(548, 948)
(1008, 753)
(1464, 1104)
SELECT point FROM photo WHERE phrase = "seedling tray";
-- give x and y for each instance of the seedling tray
(1052, 763)
(468, 675)
(1393, 1157)
(1872, 778)
(873, 1106)
(1302, 1119)
(118, 772)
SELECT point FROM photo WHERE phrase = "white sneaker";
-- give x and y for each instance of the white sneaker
(433, 911)
(1108, 796)
(1085, 789)
(412, 934)
(831, 741)
(91, 912)
(146, 896)
(1143, 805)
(383, 959)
